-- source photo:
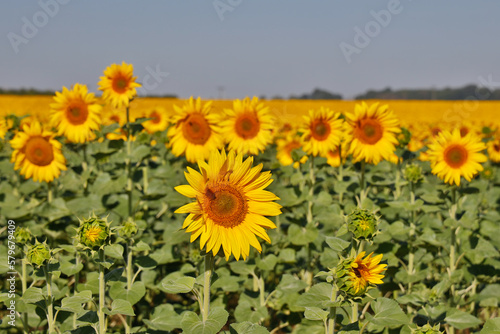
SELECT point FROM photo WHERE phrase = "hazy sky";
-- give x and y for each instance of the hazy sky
(251, 47)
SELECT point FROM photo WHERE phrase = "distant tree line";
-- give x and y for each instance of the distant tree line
(463, 93)
(26, 91)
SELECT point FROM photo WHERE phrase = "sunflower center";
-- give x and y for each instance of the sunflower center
(225, 205)
(196, 129)
(320, 129)
(455, 156)
(39, 151)
(155, 117)
(369, 131)
(77, 114)
(464, 131)
(496, 147)
(247, 126)
(120, 84)
(292, 146)
(92, 233)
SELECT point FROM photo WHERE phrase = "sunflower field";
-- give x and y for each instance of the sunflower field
(132, 215)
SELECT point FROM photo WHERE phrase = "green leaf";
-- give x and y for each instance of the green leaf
(242, 268)
(315, 313)
(337, 244)
(318, 295)
(114, 275)
(114, 251)
(267, 263)
(141, 247)
(192, 324)
(89, 317)
(70, 267)
(182, 284)
(492, 326)
(247, 327)
(287, 255)
(461, 319)
(32, 295)
(120, 306)
(164, 318)
(290, 283)
(249, 309)
(301, 236)
(74, 303)
(118, 290)
(388, 313)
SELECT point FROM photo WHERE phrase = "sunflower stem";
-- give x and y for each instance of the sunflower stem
(340, 178)
(333, 312)
(77, 279)
(312, 178)
(362, 180)
(49, 301)
(206, 286)
(24, 287)
(49, 192)
(453, 237)
(130, 272)
(129, 164)
(102, 294)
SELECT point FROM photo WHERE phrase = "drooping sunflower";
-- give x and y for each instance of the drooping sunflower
(196, 132)
(230, 204)
(118, 84)
(356, 275)
(453, 156)
(75, 114)
(37, 153)
(371, 132)
(158, 121)
(285, 146)
(494, 150)
(248, 127)
(322, 131)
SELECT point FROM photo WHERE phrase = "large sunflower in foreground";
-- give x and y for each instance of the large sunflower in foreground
(494, 150)
(356, 275)
(322, 131)
(453, 156)
(371, 132)
(248, 126)
(118, 84)
(75, 114)
(37, 153)
(196, 132)
(230, 204)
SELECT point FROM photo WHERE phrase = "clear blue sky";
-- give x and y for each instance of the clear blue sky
(260, 47)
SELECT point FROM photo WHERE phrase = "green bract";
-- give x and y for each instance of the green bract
(363, 224)
(38, 254)
(22, 235)
(345, 283)
(128, 229)
(93, 232)
(413, 173)
(427, 329)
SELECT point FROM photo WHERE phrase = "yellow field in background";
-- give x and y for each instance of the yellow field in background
(290, 111)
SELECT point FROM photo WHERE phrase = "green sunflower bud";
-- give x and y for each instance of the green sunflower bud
(38, 254)
(128, 229)
(427, 329)
(488, 173)
(413, 173)
(93, 232)
(362, 223)
(22, 235)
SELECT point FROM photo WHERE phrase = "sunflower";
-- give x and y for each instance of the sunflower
(453, 156)
(158, 121)
(230, 204)
(371, 133)
(196, 132)
(285, 146)
(494, 150)
(322, 131)
(3, 127)
(37, 153)
(355, 275)
(75, 114)
(118, 84)
(248, 127)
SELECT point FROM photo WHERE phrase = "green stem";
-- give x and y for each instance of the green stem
(453, 242)
(129, 164)
(102, 294)
(129, 283)
(49, 301)
(49, 192)
(312, 178)
(355, 311)
(333, 312)
(145, 179)
(24, 287)
(411, 256)
(206, 286)
(362, 181)
(340, 178)
(77, 279)
(262, 291)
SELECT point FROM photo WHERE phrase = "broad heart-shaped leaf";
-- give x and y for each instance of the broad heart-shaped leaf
(492, 326)
(461, 319)
(192, 324)
(70, 267)
(249, 328)
(267, 263)
(387, 313)
(32, 295)
(249, 309)
(120, 306)
(114, 251)
(337, 244)
(318, 295)
(164, 318)
(315, 313)
(119, 290)
(74, 303)
(289, 283)
(301, 236)
(183, 284)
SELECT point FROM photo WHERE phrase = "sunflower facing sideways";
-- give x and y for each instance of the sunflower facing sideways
(37, 153)
(230, 204)
(196, 132)
(321, 132)
(371, 133)
(453, 156)
(248, 126)
(75, 114)
(356, 275)
(494, 150)
(118, 84)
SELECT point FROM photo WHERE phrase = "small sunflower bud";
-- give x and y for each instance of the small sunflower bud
(22, 235)
(488, 173)
(38, 254)
(427, 329)
(363, 224)
(93, 232)
(413, 173)
(128, 229)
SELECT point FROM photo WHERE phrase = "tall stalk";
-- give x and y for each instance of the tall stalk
(102, 294)
(209, 262)
(129, 272)
(49, 300)
(129, 164)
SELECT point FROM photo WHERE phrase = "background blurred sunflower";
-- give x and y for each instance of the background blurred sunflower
(3, 127)
(322, 131)
(75, 114)
(494, 150)
(285, 146)
(230, 204)
(196, 132)
(453, 156)
(371, 132)
(248, 126)
(118, 84)
(37, 153)
(158, 122)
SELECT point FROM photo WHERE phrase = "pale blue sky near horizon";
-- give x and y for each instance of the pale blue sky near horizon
(257, 47)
